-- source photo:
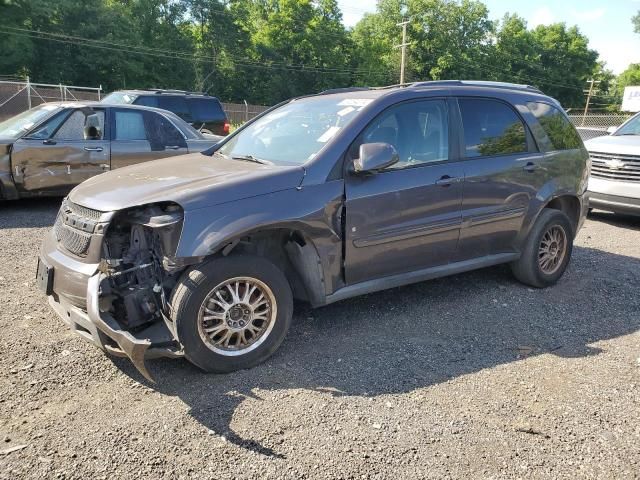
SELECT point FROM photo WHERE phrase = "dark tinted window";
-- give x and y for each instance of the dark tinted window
(147, 101)
(561, 133)
(161, 132)
(205, 110)
(418, 131)
(491, 128)
(177, 105)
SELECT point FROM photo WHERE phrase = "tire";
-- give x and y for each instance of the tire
(198, 312)
(530, 267)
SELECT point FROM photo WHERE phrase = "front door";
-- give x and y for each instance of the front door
(406, 217)
(66, 156)
(141, 136)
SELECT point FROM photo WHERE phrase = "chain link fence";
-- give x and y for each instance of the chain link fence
(596, 125)
(18, 96)
(238, 113)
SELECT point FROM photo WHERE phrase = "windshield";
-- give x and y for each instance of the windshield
(295, 132)
(118, 98)
(632, 127)
(22, 123)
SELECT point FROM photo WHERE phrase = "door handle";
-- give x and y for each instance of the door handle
(530, 167)
(172, 147)
(446, 180)
(93, 149)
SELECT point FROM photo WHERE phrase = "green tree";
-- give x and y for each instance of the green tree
(296, 47)
(448, 39)
(565, 59)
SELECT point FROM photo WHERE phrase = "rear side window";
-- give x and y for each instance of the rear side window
(147, 101)
(491, 128)
(129, 125)
(161, 132)
(177, 105)
(206, 110)
(561, 133)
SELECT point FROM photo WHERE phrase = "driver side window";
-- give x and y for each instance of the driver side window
(73, 127)
(418, 130)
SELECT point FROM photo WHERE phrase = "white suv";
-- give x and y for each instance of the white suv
(614, 184)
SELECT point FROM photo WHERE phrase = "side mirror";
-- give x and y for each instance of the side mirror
(92, 130)
(611, 130)
(374, 157)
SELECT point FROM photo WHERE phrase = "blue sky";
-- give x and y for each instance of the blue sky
(607, 24)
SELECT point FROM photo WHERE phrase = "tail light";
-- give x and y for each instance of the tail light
(226, 128)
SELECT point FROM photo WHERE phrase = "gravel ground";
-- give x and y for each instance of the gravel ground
(469, 376)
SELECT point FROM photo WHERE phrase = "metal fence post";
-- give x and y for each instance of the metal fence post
(28, 92)
(99, 90)
(61, 93)
(246, 111)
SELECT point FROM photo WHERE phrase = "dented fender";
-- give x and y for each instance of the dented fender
(313, 210)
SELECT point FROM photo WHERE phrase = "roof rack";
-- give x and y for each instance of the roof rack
(159, 91)
(344, 90)
(477, 83)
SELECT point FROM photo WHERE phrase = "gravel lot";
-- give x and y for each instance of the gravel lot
(469, 376)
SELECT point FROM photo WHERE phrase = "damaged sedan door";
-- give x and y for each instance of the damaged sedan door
(61, 154)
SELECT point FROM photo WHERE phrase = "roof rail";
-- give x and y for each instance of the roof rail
(159, 91)
(344, 90)
(477, 83)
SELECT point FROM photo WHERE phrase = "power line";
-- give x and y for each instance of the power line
(186, 56)
(248, 63)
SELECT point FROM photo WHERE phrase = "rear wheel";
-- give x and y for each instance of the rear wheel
(231, 313)
(547, 251)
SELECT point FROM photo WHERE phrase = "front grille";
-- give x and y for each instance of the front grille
(73, 240)
(81, 211)
(74, 226)
(608, 166)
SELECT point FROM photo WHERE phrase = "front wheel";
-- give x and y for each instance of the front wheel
(547, 251)
(231, 313)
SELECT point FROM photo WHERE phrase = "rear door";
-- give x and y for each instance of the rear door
(141, 135)
(503, 171)
(58, 156)
(406, 217)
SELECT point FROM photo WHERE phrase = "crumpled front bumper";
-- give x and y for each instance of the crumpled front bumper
(101, 329)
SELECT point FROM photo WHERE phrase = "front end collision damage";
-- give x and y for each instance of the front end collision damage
(147, 248)
(126, 295)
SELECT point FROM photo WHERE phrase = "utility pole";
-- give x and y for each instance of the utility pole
(589, 93)
(403, 46)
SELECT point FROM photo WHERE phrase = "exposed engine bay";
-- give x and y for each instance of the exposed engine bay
(136, 251)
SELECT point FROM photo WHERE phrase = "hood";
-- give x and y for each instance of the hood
(621, 144)
(192, 181)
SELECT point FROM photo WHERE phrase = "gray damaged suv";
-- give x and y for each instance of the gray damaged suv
(319, 199)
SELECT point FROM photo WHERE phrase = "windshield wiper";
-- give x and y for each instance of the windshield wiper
(251, 158)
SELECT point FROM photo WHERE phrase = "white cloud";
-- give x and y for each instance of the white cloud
(542, 16)
(589, 15)
(617, 57)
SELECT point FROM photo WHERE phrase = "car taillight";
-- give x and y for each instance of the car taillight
(226, 127)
